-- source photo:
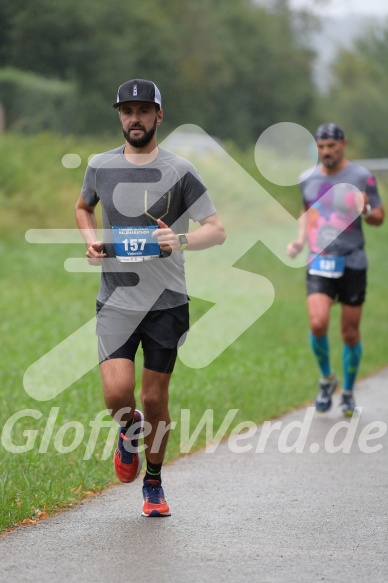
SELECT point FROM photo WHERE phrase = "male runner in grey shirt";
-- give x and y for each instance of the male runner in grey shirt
(337, 260)
(148, 195)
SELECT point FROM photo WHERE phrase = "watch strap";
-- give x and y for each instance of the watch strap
(183, 241)
(367, 212)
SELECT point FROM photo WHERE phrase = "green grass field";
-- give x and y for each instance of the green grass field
(267, 371)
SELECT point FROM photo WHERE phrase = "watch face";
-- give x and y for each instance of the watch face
(183, 239)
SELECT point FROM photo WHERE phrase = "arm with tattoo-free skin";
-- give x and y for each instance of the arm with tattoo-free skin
(211, 232)
(87, 224)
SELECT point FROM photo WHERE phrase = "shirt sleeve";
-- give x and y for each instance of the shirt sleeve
(89, 192)
(196, 199)
(372, 192)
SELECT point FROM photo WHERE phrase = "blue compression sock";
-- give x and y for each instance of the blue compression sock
(320, 347)
(351, 357)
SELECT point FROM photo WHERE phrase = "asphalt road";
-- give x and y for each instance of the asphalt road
(265, 515)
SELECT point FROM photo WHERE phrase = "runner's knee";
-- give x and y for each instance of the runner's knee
(318, 325)
(350, 335)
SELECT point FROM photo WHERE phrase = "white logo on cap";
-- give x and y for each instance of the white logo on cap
(134, 90)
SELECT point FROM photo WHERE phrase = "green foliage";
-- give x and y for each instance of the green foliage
(231, 67)
(358, 96)
(37, 190)
(33, 103)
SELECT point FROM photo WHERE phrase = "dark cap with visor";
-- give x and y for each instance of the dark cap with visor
(138, 90)
(329, 131)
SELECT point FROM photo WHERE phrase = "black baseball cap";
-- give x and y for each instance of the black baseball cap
(138, 90)
(329, 131)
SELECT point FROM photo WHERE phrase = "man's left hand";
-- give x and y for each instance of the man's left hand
(167, 239)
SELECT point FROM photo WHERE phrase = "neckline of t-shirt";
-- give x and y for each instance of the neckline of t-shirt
(147, 164)
(337, 173)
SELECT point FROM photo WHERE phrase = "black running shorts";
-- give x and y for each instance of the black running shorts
(160, 333)
(350, 289)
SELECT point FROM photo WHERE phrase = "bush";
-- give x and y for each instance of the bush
(32, 103)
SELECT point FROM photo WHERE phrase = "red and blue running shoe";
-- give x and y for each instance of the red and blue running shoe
(154, 501)
(127, 460)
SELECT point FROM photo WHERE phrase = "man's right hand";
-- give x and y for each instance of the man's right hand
(95, 253)
(294, 248)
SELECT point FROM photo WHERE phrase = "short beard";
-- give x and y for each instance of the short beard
(143, 141)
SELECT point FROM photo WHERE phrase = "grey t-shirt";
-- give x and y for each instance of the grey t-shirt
(338, 211)
(168, 188)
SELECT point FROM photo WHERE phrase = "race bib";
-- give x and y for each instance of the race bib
(328, 265)
(135, 243)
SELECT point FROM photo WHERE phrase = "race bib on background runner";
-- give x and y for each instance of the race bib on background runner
(327, 265)
(135, 243)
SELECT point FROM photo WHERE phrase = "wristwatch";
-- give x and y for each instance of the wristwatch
(183, 241)
(367, 212)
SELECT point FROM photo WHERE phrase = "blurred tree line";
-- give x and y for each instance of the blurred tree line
(233, 67)
(358, 94)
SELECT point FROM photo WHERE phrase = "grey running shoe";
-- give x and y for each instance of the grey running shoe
(327, 386)
(347, 404)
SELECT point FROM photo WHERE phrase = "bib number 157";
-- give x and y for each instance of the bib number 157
(134, 244)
